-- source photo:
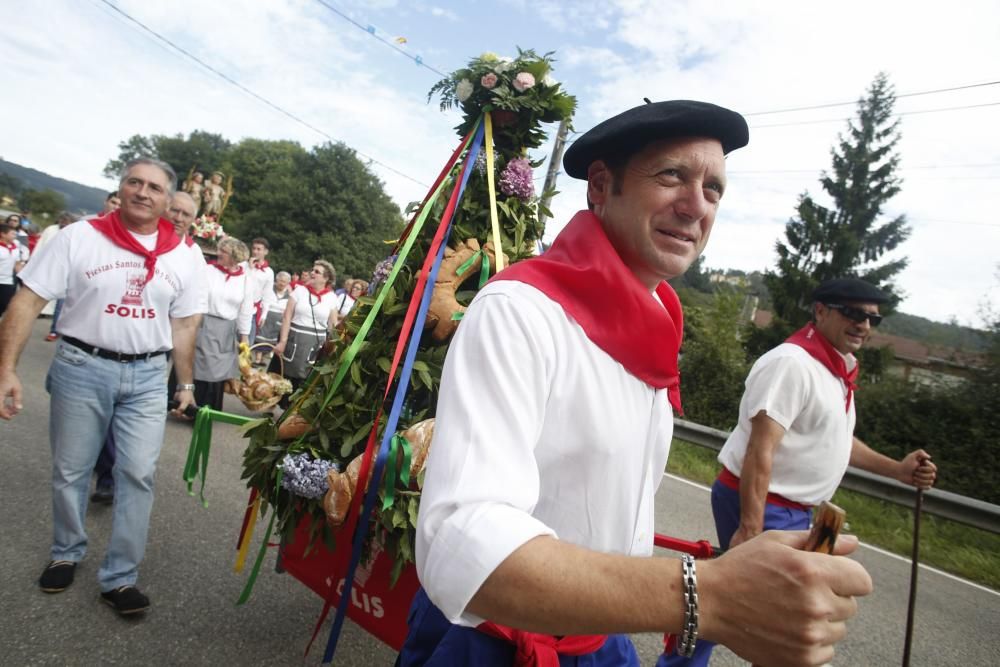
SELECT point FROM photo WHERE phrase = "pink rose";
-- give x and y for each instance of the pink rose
(489, 80)
(523, 81)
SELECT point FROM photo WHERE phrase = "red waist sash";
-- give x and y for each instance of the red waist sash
(733, 482)
(538, 650)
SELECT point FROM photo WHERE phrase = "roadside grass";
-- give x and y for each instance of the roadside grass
(961, 550)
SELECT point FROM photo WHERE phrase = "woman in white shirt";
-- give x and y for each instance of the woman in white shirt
(311, 314)
(229, 309)
(273, 304)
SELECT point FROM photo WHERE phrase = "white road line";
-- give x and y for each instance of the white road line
(869, 546)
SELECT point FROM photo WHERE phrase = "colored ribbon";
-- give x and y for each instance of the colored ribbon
(252, 579)
(399, 443)
(360, 527)
(201, 446)
(494, 220)
(484, 268)
(249, 522)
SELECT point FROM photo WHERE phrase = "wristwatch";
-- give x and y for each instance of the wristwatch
(185, 387)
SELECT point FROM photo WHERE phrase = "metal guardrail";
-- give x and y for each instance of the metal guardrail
(944, 504)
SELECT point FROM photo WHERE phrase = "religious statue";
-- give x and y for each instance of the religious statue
(214, 196)
(194, 186)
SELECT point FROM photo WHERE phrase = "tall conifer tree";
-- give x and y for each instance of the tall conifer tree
(850, 237)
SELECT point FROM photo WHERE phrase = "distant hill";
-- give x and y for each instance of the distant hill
(79, 198)
(935, 333)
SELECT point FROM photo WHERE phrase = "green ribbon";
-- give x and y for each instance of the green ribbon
(484, 270)
(398, 442)
(248, 588)
(201, 446)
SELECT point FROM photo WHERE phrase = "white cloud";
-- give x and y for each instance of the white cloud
(85, 78)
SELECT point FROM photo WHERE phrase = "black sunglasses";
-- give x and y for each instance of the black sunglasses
(856, 314)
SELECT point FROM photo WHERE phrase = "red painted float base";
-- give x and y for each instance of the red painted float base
(376, 607)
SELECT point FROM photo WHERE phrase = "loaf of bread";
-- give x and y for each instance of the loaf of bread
(343, 485)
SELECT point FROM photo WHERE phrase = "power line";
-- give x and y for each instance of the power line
(256, 96)
(898, 115)
(372, 30)
(842, 104)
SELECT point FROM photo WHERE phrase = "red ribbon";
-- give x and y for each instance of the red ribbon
(113, 228)
(630, 326)
(538, 650)
(810, 339)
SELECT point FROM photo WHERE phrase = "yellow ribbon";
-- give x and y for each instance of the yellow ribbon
(494, 220)
(241, 555)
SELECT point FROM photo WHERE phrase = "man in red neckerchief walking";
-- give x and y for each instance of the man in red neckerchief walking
(795, 436)
(553, 427)
(129, 296)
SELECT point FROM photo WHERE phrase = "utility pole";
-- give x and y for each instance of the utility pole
(555, 161)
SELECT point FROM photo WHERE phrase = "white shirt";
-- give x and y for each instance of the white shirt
(538, 432)
(201, 266)
(263, 281)
(8, 259)
(310, 312)
(230, 299)
(808, 401)
(106, 303)
(344, 304)
(273, 303)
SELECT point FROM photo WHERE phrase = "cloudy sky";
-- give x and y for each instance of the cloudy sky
(80, 76)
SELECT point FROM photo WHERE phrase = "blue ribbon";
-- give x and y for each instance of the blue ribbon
(397, 405)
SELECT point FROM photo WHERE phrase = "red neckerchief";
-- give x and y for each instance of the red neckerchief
(319, 294)
(263, 265)
(229, 274)
(11, 247)
(188, 241)
(537, 650)
(113, 228)
(819, 348)
(632, 327)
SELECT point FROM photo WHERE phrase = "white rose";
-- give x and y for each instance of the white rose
(463, 90)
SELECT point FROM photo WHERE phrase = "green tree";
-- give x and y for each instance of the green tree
(324, 203)
(42, 202)
(713, 363)
(10, 186)
(309, 204)
(202, 150)
(849, 238)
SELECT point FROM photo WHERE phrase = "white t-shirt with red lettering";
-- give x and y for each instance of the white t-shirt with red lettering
(106, 302)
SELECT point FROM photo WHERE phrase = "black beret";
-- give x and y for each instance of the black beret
(632, 129)
(845, 290)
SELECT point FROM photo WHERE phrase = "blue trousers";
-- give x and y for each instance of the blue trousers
(726, 510)
(434, 642)
(90, 398)
(106, 463)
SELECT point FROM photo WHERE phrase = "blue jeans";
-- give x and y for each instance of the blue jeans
(726, 511)
(91, 395)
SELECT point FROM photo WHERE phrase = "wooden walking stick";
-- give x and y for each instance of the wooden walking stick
(911, 607)
(827, 524)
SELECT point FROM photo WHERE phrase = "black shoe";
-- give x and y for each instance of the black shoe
(57, 576)
(103, 494)
(126, 600)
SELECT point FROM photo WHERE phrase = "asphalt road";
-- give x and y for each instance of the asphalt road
(188, 574)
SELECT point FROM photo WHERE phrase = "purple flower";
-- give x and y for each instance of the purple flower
(516, 179)
(305, 476)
